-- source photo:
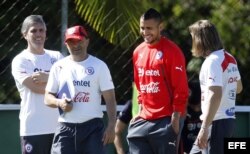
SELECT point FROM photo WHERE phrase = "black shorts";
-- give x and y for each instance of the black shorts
(126, 114)
(75, 138)
(36, 144)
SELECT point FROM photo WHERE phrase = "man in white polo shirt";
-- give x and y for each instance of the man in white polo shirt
(30, 69)
(220, 81)
(76, 85)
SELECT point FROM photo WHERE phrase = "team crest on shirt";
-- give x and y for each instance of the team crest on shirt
(28, 147)
(90, 70)
(53, 60)
(159, 55)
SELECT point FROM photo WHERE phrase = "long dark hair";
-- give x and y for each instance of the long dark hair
(205, 38)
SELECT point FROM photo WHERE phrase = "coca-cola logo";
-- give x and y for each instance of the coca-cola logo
(81, 97)
(152, 87)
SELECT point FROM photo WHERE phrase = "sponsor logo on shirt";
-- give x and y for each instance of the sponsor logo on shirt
(81, 97)
(232, 94)
(81, 83)
(40, 70)
(232, 69)
(232, 79)
(142, 72)
(152, 87)
(231, 111)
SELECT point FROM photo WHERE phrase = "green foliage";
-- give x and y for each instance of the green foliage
(232, 20)
(115, 20)
(12, 14)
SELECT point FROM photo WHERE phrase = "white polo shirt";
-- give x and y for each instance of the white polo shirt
(83, 82)
(220, 69)
(35, 117)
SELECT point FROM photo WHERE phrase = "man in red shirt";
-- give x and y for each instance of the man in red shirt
(160, 77)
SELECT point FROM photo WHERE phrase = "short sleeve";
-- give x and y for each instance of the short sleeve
(105, 78)
(20, 69)
(214, 74)
(52, 84)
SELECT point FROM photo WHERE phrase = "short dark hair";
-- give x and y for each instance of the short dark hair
(152, 14)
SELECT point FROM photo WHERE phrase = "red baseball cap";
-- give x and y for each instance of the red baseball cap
(76, 32)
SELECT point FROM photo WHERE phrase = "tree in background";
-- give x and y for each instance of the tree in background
(114, 26)
(232, 20)
(114, 20)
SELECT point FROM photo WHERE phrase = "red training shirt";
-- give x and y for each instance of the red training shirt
(160, 77)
